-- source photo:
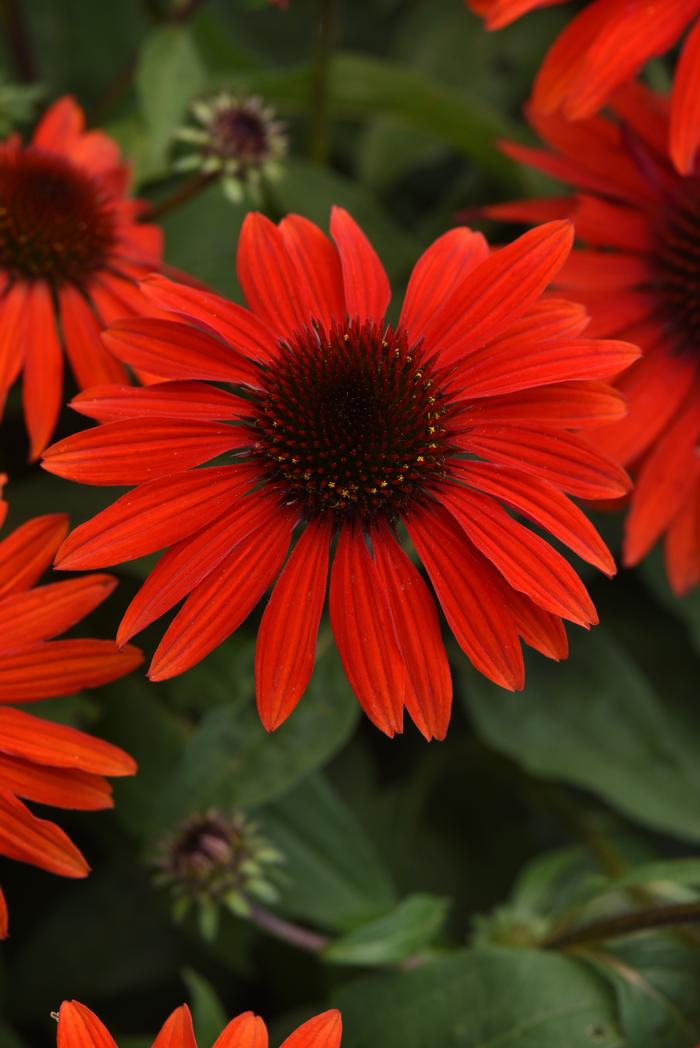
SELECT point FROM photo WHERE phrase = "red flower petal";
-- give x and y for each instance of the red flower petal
(286, 643)
(78, 1027)
(269, 278)
(497, 369)
(43, 367)
(498, 290)
(62, 667)
(154, 516)
(542, 503)
(177, 1031)
(323, 1031)
(90, 362)
(682, 552)
(244, 330)
(608, 224)
(574, 405)
(436, 274)
(499, 13)
(184, 565)
(540, 629)
(59, 746)
(562, 458)
(41, 613)
(417, 634)
(60, 788)
(133, 451)
(13, 307)
(685, 105)
(26, 553)
(182, 400)
(366, 285)
(317, 263)
(364, 634)
(174, 350)
(224, 599)
(60, 126)
(469, 592)
(245, 1031)
(665, 481)
(25, 838)
(525, 560)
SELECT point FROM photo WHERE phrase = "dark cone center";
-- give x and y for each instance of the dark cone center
(56, 221)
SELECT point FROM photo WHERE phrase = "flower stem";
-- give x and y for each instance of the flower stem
(14, 24)
(320, 87)
(280, 928)
(179, 196)
(626, 924)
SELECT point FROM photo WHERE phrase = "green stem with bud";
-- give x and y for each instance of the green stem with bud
(626, 924)
(294, 934)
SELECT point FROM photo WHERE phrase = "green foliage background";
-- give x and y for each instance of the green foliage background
(439, 872)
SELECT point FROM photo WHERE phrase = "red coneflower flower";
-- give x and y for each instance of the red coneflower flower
(640, 278)
(603, 47)
(78, 1027)
(71, 252)
(351, 428)
(39, 760)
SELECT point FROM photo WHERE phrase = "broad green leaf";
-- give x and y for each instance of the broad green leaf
(201, 238)
(594, 721)
(406, 930)
(208, 1014)
(686, 608)
(333, 874)
(656, 981)
(168, 77)
(669, 871)
(231, 760)
(362, 85)
(490, 998)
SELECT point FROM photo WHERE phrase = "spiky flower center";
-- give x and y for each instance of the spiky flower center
(239, 132)
(56, 222)
(677, 265)
(351, 421)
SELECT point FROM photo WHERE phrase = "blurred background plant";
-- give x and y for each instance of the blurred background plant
(534, 880)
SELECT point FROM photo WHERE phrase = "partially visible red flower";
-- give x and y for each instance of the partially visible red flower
(39, 760)
(603, 47)
(640, 278)
(71, 253)
(349, 430)
(78, 1027)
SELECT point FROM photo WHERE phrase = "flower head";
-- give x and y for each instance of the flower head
(40, 760)
(604, 46)
(78, 1027)
(639, 275)
(238, 139)
(214, 859)
(360, 437)
(71, 252)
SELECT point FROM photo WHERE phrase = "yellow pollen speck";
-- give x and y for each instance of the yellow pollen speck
(432, 445)
(331, 483)
(383, 484)
(373, 491)
(385, 343)
(399, 479)
(307, 475)
(431, 430)
(420, 458)
(346, 338)
(345, 493)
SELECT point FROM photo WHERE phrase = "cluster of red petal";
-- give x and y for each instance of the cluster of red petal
(521, 380)
(603, 47)
(39, 760)
(639, 279)
(78, 1027)
(89, 249)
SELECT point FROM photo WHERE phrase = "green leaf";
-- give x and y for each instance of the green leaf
(490, 998)
(208, 1014)
(594, 721)
(406, 930)
(334, 876)
(230, 759)
(686, 608)
(656, 982)
(168, 77)
(362, 85)
(669, 871)
(201, 238)
(9, 1039)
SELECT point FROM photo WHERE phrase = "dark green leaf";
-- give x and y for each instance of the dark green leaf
(408, 929)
